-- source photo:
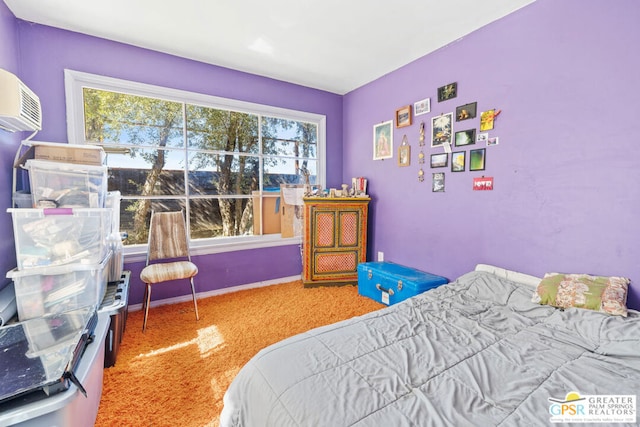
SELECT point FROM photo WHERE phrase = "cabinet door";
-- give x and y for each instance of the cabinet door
(336, 241)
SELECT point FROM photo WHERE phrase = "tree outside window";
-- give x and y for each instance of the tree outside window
(209, 161)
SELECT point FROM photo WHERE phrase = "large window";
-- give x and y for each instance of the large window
(219, 160)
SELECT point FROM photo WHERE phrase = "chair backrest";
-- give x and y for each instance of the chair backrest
(167, 236)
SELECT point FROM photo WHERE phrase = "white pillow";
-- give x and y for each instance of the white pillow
(514, 276)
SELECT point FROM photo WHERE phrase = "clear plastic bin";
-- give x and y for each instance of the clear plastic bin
(53, 290)
(67, 185)
(114, 240)
(50, 237)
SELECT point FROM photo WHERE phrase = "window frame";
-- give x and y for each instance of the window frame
(75, 81)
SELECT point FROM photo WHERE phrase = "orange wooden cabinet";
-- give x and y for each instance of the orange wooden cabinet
(334, 239)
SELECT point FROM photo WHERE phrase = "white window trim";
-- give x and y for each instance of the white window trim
(76, 80)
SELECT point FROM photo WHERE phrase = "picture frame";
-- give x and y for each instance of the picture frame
(422, 107)
(383, 140)
(448, 91)
(477, 159)
(403, 116)
(466, 111)
(465, 137)
(486, 120)
(439, 160)
(404, 155)
(437, 182)
(493, 141)
(441, 129)
(458, 159)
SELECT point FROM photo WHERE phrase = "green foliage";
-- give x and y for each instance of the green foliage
(225, 142)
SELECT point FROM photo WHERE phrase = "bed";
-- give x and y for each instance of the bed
(476, 351)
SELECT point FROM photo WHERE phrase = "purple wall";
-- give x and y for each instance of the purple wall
(565, 193)
(8, 144)
(566, 196)
(44, 54)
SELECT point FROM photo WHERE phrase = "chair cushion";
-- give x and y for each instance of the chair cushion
(164, 271)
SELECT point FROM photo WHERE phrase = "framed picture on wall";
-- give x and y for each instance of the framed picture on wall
(447, 92)
(457, 161)
(404, 154)
(422, 107)
(486, 120)
(439, 160)
(441, 129)
(493, 141)
(403, 116)
(383, 140)
(437, 184)
(466, 111)
(465, 137)
(477, 159)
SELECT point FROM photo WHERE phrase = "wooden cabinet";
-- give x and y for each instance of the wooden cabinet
(334, 239)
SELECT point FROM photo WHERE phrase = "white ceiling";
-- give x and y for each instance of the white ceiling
(333, 45)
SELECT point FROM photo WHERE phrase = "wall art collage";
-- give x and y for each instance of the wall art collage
(450, 146)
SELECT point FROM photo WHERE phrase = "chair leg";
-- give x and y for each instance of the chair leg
(195, 303)
(144, 298)
(146, 302)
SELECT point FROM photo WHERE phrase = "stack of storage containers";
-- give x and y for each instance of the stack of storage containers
(61, 242)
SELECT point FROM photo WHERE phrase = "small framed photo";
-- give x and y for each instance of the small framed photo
(383, 140)
(477, 159)
(493, 141)
(437, 185)
(457, 161)
(466, 111)
(465, 137)
(483, 137)
(404, 155)
(440, 160)
(447, 92)
(441, 129)
(422, 107)
(403, 116)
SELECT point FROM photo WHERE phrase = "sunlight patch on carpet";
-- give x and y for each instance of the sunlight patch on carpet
(219, 384)
(208, 339)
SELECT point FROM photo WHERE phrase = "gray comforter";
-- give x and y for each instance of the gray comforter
(474, 352)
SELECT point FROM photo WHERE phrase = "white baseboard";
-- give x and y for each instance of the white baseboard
(199, 295)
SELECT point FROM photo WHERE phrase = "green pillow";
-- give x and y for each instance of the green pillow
(603, 294)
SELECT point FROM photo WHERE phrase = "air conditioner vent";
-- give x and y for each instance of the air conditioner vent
(30, 107)
(19, 107)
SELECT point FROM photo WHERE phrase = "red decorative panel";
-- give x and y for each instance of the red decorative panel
(334, 262)
(324, 229)
(349, 225)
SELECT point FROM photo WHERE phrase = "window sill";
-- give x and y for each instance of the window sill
(138, 253)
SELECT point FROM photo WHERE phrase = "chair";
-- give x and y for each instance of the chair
(168, 244)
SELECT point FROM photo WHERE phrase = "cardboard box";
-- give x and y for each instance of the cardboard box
(63, 153)
(270, 212)
(291, 210)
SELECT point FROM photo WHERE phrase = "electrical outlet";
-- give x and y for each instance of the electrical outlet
(380, 256)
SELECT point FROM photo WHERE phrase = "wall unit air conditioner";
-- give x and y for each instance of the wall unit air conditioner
(19, 106)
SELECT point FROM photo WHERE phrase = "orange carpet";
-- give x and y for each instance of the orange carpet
(176, 373)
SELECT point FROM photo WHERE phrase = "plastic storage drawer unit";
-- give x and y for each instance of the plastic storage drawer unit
(61, 185)
(69, 408)
(49, 237)
(115, 304)
(391, 283)
(52, 290)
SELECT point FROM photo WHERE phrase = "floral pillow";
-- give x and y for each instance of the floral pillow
(603, 294)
